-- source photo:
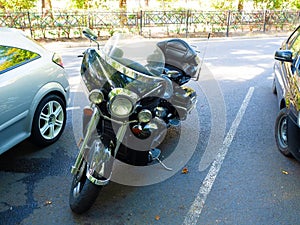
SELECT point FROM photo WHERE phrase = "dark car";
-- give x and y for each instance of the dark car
(286, 85)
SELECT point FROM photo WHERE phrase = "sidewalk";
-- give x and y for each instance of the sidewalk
(84, 42)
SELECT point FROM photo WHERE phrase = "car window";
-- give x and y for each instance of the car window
(11, 57)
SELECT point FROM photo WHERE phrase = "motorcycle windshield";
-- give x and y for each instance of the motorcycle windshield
(139, 64)
(137, 53)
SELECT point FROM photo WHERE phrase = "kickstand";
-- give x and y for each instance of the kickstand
(154, 155)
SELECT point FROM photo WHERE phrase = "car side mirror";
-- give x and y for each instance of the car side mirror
(284, 55)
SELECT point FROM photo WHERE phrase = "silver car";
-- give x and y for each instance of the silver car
(34, 91)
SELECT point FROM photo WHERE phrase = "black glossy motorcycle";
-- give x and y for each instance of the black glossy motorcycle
(135, 88)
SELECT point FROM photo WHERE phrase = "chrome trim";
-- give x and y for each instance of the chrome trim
(93, 123)
(119, 93)
(95, 180)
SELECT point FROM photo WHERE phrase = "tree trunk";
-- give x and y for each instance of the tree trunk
(122, 4)
(46, 6)
(241, 5)
(123, 8)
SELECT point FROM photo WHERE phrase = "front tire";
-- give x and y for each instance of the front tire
(83, 193)
(281, 135)
(49, 120)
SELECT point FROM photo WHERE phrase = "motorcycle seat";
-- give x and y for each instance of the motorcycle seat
(179, 54)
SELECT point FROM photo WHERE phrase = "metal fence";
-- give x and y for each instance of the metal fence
(187, 23)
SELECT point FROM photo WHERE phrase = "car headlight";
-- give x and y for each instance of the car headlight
(121, 102)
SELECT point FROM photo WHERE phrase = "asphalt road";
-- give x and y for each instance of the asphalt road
(235, 174)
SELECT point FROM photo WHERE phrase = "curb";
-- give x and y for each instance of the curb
(55, 45)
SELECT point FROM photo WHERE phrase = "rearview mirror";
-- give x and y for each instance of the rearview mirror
(90, 34)
(284, 55)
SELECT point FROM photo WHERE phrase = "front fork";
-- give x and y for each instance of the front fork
(102, 154)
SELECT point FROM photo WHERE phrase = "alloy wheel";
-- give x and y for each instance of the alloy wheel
(51, 120)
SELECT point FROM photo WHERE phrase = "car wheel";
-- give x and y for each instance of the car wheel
(49, 120)
(281, 135)
(274, 90)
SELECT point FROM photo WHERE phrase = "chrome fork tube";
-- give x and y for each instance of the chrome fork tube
(91, 127)
(120, 136)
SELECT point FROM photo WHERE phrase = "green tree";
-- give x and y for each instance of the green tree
(223, 4)
(277, 4)
(17, 4)
(79, 4)
(296, 4)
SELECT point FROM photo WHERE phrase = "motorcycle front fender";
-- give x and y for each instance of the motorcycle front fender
(100, 162)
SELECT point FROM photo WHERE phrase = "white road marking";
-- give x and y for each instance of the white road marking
(198, 204)
(73, 108)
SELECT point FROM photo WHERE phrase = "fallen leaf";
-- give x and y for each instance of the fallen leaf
(157, 217)
(285, 172)
(48, 203)
(185, 170)
(79, 142)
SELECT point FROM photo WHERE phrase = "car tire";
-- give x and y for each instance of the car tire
(281, 135)
(274, 90)
(49, 120)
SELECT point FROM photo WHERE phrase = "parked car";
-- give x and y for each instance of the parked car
(34, 91)
(286, 85)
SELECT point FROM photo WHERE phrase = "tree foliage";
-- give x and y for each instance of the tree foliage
(17, 4)
(223, 4)
(164, 4)
(273, 4)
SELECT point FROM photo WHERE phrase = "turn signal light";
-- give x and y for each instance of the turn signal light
(57, 60)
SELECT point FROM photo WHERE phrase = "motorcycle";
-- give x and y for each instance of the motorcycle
(136, 92)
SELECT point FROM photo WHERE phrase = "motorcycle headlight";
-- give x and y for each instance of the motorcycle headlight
(144, 116)
(96, 96)
(121, 102)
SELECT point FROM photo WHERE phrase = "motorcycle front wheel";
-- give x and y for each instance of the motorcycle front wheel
(83, 193)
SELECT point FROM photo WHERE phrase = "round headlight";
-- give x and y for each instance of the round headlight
(96, 96)
(145, 116)
(121, 107)
(121, 102)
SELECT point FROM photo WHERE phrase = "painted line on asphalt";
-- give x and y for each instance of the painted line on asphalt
(198, 204)
(71, 108)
